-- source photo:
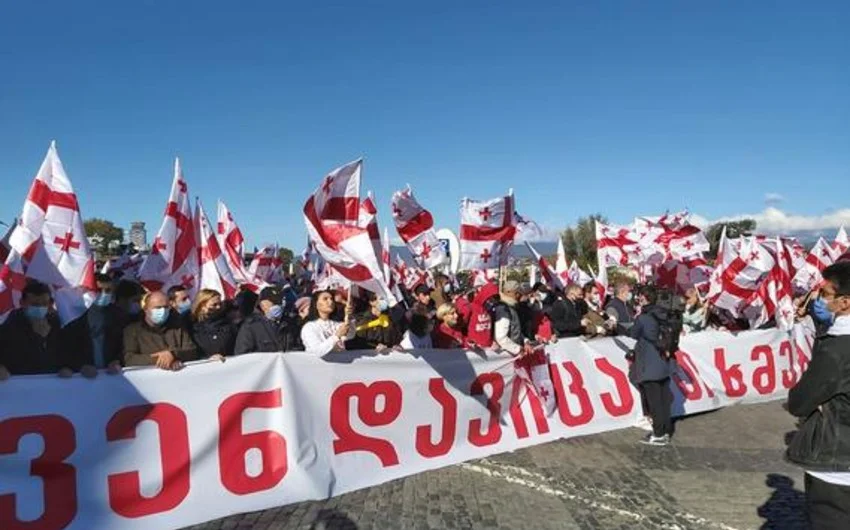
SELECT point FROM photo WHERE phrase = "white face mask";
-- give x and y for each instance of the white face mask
(543, 296)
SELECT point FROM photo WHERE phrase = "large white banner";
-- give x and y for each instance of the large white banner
(157, 450)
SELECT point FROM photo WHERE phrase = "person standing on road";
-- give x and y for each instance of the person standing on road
(650, 370)
(822, 397)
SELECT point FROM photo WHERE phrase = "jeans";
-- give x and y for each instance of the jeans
(658, 399)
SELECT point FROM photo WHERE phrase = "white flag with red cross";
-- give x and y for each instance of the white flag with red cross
(669, 237)
(174, 258)
(561, 265)
(127, 264)
(333, 219)
(533, 370)
(842, 242)
(553, 280)
(415, 225)
(261, 268)
(49, 243)
(369, 220)
(616, 246)
(577, 276)
(215, 271)
(487, 231)
(232, 244)
(601, 284)
(820, 257)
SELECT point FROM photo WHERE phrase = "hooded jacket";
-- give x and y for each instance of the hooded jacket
(648, 364)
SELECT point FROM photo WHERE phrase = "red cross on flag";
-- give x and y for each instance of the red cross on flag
(262, 264)
(368, 217)
(772, 299)
(127, 264)
(820, 257)
(601, 284)
(415, 225)
(487, 231)
(616, 245)
(533, 371)
(842, 242)
(214, 270)
(49, 243)
(669, 237)
(739, 269)
(332, 217)
(173, 259)
(232, 245)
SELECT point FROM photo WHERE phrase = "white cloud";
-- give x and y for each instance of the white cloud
(775, 221)
(773, 199)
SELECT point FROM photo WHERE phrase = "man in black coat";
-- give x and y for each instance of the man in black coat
(267, 329)
(98, 336)
(620, 309)
(566, 314)
(822, 397)
(33, 341)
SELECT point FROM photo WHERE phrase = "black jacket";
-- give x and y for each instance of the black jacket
(259, 334)
(648, 364)
(25, 352)
(372, 331)
(214, 336)
(822, 397)
(79, 335)
(624, 313)
(566, 318)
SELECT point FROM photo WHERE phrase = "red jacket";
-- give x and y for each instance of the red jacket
(446, 337)
(480, 327)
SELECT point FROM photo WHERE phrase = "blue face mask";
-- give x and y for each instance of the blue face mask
(135, 308)
(383, 305)
(103, 299)
(275, 312)
(158, 316)
(821, 313)
(184, 307)
(36, 312)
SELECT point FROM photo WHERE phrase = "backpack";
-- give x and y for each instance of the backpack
(669, 331)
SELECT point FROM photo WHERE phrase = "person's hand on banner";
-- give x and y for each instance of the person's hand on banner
(4, 373)
(164, 359)
(217, 357)
(89, 371)
(382, 349)
(66, 373)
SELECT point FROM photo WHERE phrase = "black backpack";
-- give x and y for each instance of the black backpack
(669, 331)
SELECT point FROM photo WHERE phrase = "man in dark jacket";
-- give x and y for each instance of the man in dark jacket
(98, 336)
(159, 339)
(619, 308)
(507, 326)
(379, 327)
(33, 341)
(650, 369)
(565, 314)
(822, 397)
(267, 329)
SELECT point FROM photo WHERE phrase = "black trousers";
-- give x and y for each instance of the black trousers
(827, 505)
(658, 399)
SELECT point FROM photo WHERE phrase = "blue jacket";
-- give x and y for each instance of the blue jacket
(648, 364)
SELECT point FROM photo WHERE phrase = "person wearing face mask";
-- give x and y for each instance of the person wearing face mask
(566, 315)
(376, 327)
(128, 300)
(33, 340)
(181, 305)
(268, 329)
(821, 399)
(321, 334)
(159, 339)
(212, 330)
(620, 309)
(99, 334)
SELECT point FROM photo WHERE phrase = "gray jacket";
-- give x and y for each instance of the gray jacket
(648, 364)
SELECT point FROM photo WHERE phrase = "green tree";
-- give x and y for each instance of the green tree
(104, 235)
(580, 241)
(286, 255)
(734, 229)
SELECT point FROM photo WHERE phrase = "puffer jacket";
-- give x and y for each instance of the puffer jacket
(822, 397)
(648, 364)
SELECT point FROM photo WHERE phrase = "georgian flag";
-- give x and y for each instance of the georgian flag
(332, 217)
(578, 276)
(553, 280)
(415, 225)
(174, 258)
(669, 237)
(616, 246)
(533, 370)
(487, 231)
(820, 257)
(214, 270)
(232, 244)
(49, 244)
(842, 242)
(127, 264)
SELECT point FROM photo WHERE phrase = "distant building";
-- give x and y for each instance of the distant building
(139, 236)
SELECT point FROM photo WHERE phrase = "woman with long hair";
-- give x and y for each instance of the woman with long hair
(321, 334)
(212, 330)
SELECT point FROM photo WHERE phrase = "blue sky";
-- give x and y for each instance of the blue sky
(624, 108)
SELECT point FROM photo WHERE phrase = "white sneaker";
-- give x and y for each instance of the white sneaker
(660, 441)
(644, 423)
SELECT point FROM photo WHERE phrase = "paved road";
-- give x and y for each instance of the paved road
(724, 472)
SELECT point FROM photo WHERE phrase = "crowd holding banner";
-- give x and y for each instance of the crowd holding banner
(193, 298)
